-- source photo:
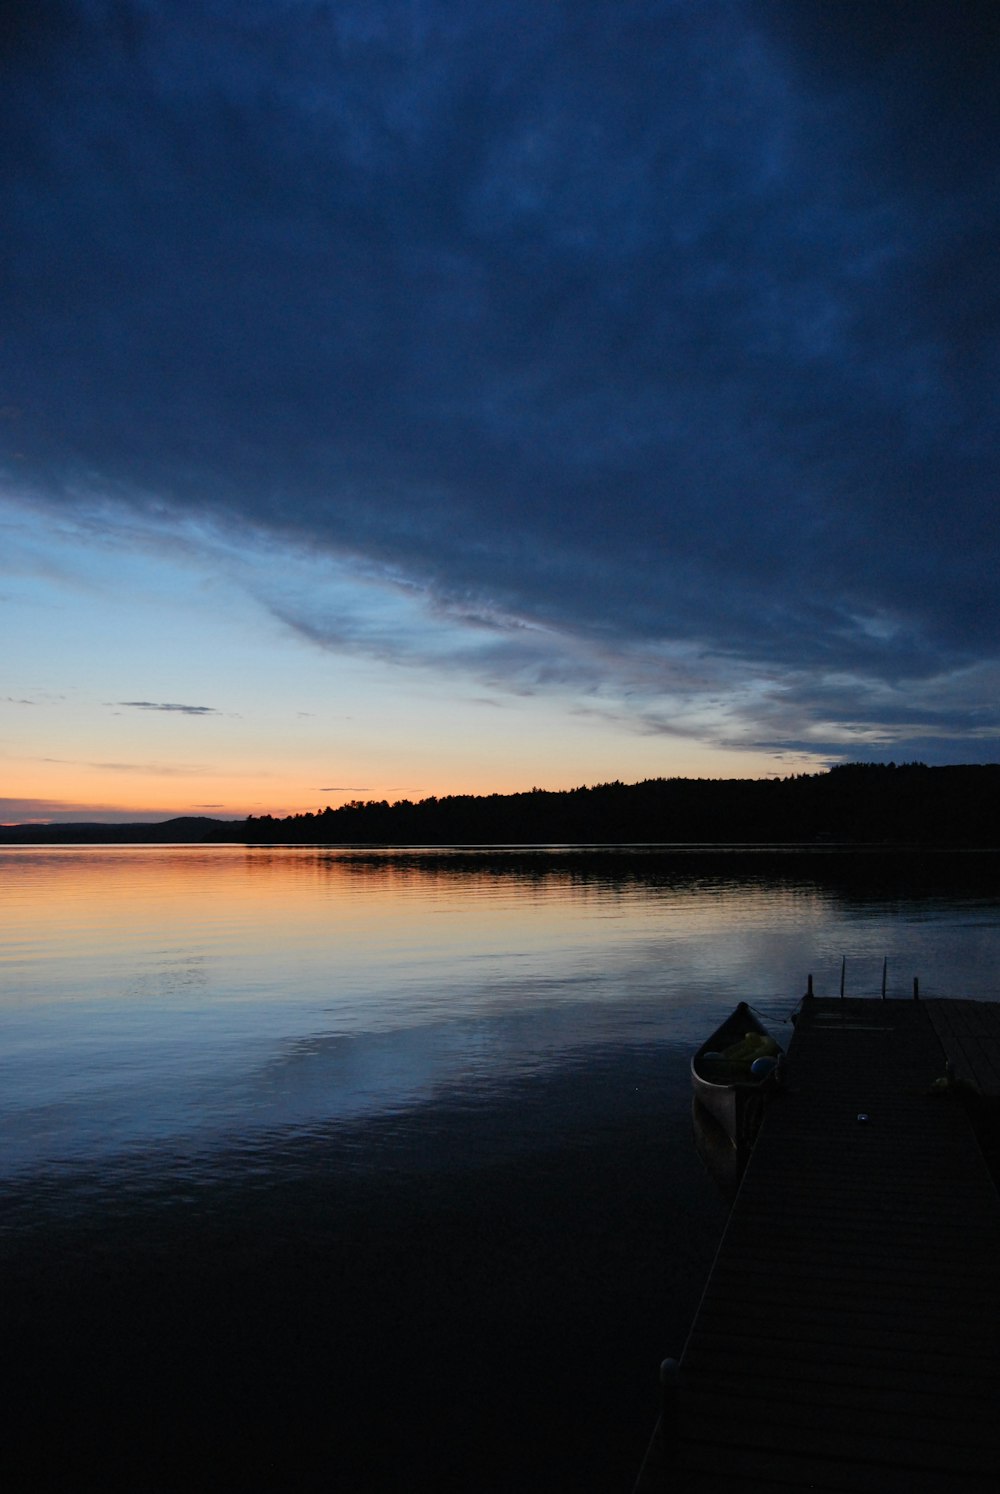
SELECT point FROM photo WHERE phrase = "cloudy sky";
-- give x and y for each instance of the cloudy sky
(410, 396)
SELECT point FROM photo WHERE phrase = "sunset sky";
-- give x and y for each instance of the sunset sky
(402, 397)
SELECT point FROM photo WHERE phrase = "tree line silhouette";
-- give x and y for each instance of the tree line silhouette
(854, 804)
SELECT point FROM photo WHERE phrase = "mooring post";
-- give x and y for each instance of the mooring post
(670, 1379)
(916, 989)
(885, 965)
(809, 985)
(843, 973)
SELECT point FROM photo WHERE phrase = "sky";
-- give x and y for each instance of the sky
(409, 397)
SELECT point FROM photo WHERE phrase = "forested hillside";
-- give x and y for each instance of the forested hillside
(858, 802)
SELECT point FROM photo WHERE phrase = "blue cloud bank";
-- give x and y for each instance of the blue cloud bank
(668, 329)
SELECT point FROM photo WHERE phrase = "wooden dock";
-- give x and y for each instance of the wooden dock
(849, 1335)
(970, 1035)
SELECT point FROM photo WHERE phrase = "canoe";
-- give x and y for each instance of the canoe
(724, 1162)
(735, 1071)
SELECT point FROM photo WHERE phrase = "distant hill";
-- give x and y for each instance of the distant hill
(189, 829)
(855, 803)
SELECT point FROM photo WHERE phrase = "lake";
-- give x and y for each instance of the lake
(370, 1169)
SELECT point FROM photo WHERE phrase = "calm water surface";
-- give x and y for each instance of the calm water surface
(369, 1170)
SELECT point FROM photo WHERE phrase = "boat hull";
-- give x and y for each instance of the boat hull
(735, 1100)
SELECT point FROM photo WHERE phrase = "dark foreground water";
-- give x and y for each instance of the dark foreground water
(331, 1170)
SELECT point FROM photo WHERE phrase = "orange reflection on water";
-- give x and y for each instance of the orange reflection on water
(137, 893)
(120, 922)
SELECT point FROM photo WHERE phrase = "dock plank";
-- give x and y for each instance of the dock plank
(847, 1337)
(969, 1032)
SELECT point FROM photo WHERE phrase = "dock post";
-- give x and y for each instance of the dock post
(885, 966)
(809, 985)
(670, 1375)
(916, 989)
(843, 973)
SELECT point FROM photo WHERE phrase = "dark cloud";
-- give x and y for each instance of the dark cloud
(648, 322)
(186, 710)
(150, 769)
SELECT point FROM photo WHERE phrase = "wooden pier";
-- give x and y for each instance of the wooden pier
(849, 1335)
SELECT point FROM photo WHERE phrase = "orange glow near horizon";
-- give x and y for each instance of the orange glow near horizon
(150, 683)
(51, 792)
